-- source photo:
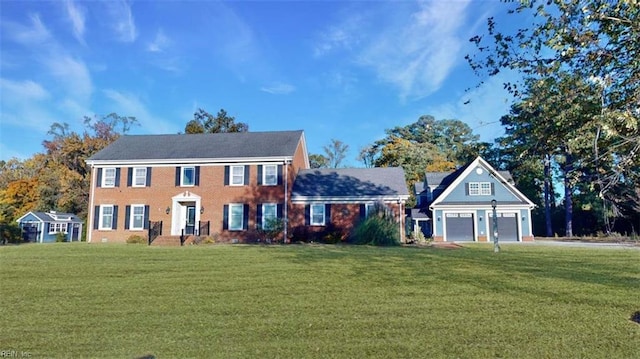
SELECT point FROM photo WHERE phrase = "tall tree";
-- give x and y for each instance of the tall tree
(335, 153)
(318, 161)
(204, 122)
(593, 41)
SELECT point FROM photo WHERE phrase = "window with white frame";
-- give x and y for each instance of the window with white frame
(139, 176)
(137, 217)
(370, 208)
(109, 177)
(270, 175)
(269, 214)
(480, 188)
(106, 217)
(188, 177)
(57, 228)
(237, 175)
(236, 217)
(317, 215)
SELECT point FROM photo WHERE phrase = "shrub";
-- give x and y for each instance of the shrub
(272, 229)
(61, 237)
(10, 233)
(137, 239)
(379, 229)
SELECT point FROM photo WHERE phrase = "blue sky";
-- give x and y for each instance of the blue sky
(336, 69)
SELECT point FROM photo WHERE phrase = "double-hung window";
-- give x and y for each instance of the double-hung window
(237, 175)
(269, 215)
(370, 209)
(137, 217)
(317, 214)
(188, 177)
(139, 176)
(236, 217)
(109, 177)
(106, 217)
(270, 175)
(485, 188)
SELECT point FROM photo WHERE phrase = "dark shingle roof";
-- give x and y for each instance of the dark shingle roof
(201, 146)
(350, 182)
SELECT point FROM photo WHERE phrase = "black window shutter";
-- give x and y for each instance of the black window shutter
(127, 216)
(129, 176)
(327, 213)
(117, 177)
(148, 177)
(96, 217)
(245, 217)
(279, 174)
(99, 179)
(178, 176)
(363, 210)
(146, 217)
(307, 214)
(246, 175)
(225, 216)
(493, 188)
(115, 218)
(259, 175)
(46, 227)
(466, 189)
(226, 175)
(259, 215)
(279, 208)
(197, 180)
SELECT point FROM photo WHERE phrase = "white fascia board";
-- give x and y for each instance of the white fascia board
(189, 161)
(350, 199)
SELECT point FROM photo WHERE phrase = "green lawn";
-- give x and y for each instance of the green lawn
(295, 301)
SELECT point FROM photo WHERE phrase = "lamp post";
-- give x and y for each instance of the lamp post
(496, 246)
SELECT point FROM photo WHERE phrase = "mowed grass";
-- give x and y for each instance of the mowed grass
(306, 301)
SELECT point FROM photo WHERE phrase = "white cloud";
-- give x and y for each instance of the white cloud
(36, 33)
(414, 49)
(279, 89)
(160, 43)
(481, 108)
(127, 104)
(77, 18)
(22, 91)
(73, 74)
(123, 22)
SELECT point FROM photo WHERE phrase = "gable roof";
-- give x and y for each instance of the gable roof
(52, 216)
(350, 184)
(458, 177)
(444, 179)
(200, 146)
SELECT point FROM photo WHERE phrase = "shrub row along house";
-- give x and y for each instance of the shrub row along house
(231, 186)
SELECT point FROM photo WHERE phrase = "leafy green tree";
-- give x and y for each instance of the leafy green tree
(593, 43)
(318, 161)
(204, 122)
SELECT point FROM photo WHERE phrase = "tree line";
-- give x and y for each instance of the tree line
(571, 142)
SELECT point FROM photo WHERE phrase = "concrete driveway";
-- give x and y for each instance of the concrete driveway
(577, 244)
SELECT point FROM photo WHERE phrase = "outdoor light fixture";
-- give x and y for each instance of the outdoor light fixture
(167, 210)
(496, 246)
(201, 209)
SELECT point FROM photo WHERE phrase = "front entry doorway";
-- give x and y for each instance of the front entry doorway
(190, 220)
(185, 214)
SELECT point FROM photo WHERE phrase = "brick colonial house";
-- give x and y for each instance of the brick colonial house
(226, 184)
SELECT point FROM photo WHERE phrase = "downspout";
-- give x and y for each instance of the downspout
(91, 207)
(286, 201)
